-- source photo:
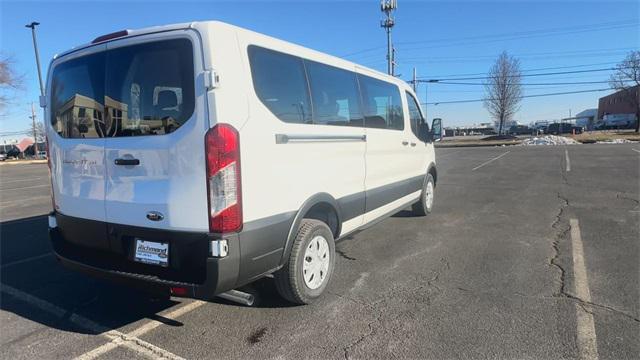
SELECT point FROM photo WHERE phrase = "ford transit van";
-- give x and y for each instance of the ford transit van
(201, 157)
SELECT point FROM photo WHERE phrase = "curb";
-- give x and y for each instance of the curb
(23, 162)
(476, 145)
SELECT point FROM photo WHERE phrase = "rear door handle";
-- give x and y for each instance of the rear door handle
(127, 162)
(405, 143)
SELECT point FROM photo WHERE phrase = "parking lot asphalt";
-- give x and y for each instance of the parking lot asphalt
(531, 252)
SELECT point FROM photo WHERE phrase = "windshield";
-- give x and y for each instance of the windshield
(144, 89)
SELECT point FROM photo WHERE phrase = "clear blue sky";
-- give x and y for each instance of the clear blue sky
(440, 38)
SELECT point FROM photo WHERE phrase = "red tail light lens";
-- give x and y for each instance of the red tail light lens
(110, 36)
(178, 291)
(222, 146)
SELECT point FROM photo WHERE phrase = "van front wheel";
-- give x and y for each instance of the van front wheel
(310, 265)
(425, 204)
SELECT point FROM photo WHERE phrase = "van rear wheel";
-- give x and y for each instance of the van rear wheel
(424, 206)
(310, 265)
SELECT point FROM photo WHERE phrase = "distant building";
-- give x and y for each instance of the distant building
(21, 148)
(617, 106)
(587, 118)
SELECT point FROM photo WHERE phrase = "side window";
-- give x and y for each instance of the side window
(281, 84)
(382, 104)
(418, 125)
(334, 94)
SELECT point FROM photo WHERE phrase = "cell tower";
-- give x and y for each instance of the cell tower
(387, 7)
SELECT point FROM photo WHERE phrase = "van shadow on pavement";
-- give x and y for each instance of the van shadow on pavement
(30, 269)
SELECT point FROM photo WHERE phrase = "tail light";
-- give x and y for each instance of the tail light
(222, 145)
(178, 291)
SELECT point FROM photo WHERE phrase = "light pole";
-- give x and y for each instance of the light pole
(387, 6)
(32, 26)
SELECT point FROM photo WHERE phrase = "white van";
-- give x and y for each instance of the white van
(201, 157)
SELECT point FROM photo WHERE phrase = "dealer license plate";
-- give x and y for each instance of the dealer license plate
(151, 252)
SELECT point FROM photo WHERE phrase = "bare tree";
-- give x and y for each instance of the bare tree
(503, 89)
(627, 79)
(9, 80)
(38, 130)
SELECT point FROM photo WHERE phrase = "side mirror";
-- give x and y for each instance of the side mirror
(436, 129)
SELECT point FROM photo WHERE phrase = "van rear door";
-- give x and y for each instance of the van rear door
(75, 133)
(156, 122)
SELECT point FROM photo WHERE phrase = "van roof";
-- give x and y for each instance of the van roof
(220, 24)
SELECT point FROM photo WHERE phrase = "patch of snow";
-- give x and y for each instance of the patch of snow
(616, 141)
(549, 140)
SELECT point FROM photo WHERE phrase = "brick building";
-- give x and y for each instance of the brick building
(617, 103)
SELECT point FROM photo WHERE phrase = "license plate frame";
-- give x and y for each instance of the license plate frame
(151, 252)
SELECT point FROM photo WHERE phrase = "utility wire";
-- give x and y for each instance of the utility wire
(585, 52)
(552, 31)
(471, 43)
(525, 96)
(529, 84)
(522, 75)
(538, 69)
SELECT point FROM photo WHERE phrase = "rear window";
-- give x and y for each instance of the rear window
(145, 89)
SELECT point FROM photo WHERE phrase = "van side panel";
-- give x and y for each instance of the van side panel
(278, 176)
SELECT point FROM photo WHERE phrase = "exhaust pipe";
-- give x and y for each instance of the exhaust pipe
(239, 297)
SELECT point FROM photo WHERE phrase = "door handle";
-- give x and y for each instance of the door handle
(413, 144)
(405, 143)
(127, 162)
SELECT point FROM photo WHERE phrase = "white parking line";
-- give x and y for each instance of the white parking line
(140, 331)
(117, 338)
(568, 162)
(26, 187)
(587, 343)
(486, 162)
(636, 150)
(33, 258)
(22, 180)
(4, 204)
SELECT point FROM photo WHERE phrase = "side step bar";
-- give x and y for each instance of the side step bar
(239, 297)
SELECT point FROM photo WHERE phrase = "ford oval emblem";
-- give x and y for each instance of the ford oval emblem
(155, 216)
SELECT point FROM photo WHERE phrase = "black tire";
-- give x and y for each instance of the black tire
(289, 280)
(421, 208)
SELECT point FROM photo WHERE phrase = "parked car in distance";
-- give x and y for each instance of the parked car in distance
(520, 130)
(564, 128)
(3, 156)
(42, 154)
(270, 158)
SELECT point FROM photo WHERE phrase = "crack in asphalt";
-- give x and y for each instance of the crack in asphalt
(566, 297)
(620, 196)
(561, 233)
(374, 307)
(344, 255)
(585, 304)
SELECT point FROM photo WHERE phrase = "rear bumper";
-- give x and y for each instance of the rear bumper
(106, 251)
